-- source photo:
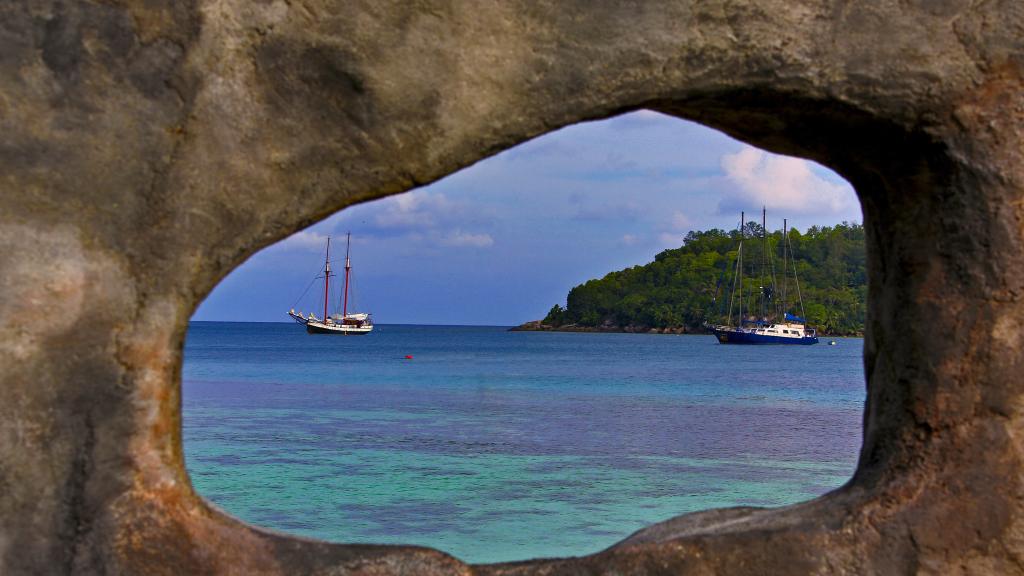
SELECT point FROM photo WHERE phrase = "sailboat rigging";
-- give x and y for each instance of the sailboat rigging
(357, 323)
(751, 329)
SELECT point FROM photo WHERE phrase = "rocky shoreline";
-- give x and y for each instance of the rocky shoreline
(540, 326)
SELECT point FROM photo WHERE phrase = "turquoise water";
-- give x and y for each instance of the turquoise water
(495, 445)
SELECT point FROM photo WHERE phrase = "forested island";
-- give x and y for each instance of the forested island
(686, 286)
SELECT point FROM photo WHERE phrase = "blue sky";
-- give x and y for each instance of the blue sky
(500, 242)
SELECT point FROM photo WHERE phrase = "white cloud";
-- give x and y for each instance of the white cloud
(670, 240)
(629, 239)
(424, 217)
(680, 221)
(306, 241)
(672, 229)
(414, 211)
(782, 183)
(460, 238)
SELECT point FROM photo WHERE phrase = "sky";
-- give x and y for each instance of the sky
(500, 242)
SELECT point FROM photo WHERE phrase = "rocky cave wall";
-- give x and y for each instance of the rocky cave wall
(147, 148)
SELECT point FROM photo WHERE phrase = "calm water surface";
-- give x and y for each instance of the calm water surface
(495, 445)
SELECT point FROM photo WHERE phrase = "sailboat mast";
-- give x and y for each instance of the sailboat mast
(327, 276)
(348, 268)
(739, 274)
(764, 254)
(785, 269)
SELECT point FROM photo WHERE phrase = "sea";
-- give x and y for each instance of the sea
(496, 446)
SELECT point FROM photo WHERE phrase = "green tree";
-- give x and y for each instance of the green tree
(556, 317)
(689, 285)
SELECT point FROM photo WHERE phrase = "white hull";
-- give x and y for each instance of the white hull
(769, 334)
(345, 324)
(314, 326)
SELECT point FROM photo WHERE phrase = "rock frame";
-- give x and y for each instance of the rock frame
(150, 148)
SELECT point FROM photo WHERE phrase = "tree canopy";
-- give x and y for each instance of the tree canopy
(687, 286)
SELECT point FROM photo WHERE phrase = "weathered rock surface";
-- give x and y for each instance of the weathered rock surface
(148, 148)
(540, 326)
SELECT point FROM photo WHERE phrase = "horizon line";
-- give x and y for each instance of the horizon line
(375, 324)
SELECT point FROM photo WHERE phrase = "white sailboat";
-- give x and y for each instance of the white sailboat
(761, 329)
(354, 324)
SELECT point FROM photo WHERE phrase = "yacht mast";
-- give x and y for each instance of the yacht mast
(327, 276)
(739, 273)
(785, 269)
(796, 280)
(764, 255)
(348, 268)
